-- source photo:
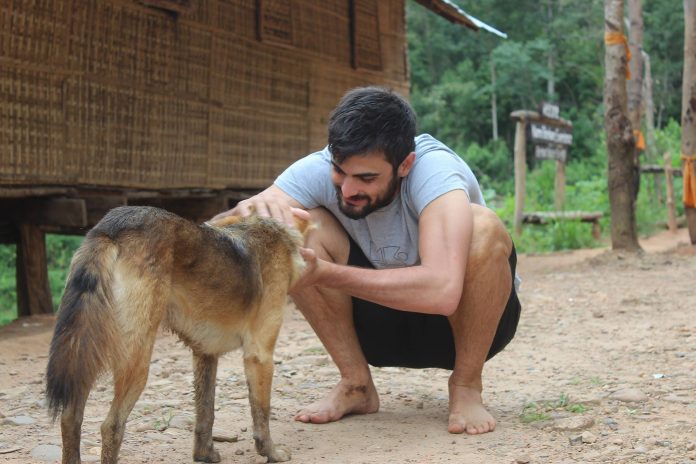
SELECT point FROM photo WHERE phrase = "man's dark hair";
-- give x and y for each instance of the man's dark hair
(369, 119)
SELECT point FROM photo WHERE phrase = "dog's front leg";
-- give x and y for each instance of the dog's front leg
(259, 374)
(205, 373)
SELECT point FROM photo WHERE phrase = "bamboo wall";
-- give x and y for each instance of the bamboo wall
(111, 93)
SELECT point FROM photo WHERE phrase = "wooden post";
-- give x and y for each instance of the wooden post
(671, 210)
(520, 171)
(33, 291)
(559, 196)
(688, 146)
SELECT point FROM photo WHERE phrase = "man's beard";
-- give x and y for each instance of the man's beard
(359, 212)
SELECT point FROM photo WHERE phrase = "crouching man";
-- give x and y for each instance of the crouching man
(407, 267)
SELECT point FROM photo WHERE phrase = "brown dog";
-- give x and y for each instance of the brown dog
(218, 286)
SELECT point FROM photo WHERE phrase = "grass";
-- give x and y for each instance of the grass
(541, 411)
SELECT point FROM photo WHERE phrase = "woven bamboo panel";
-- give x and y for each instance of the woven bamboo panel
(391, 18)
(34, 30)
(113, 93)
(275, 21)
(256, 74)
(127, 137)
(121, 43)
(236, 17)
(192, 62)
(31, 128)
(328, 84)
(323, 28)
(248, 146)
(367, 51)
(393, 40)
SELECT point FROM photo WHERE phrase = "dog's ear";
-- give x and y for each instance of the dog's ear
(304, 225)
(225, 221)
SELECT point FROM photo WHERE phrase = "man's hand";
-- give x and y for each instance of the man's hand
(312, 272)
(273, 203)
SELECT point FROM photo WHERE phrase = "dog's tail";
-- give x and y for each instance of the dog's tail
(85, 341)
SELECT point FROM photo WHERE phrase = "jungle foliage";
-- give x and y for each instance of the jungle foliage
(554, 52)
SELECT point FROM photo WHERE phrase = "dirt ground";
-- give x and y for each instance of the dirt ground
(603, 369)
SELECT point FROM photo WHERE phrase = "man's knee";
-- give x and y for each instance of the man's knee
(328, 239)
(490, 238)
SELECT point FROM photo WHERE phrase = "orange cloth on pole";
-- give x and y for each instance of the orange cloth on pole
(640, 140)
(617, 38)
(689, 180)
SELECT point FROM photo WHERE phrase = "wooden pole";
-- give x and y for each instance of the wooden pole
(33, 291)
(671, 210)
(559, 196)
(520, 171)
(688, 145)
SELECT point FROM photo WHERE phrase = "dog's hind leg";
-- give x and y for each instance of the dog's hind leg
(129, 382)
(205, 373)
(258, 367)
(70, 425)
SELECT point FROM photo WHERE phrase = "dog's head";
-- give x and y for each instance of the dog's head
(295, 237)
(304, 226)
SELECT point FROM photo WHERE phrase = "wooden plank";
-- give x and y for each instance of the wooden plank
(657, 169)
(97, 207)
(533, 116)
(28, 191)
(62, 212)
(174, 6)
(543, 217)
(33, 291)
(197, 210)
(8, 234)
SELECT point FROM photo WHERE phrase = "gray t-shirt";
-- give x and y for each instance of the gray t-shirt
(389, 235)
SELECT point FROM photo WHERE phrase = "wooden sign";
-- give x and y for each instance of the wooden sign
(543, 133)
(550, 110)
(551, 152)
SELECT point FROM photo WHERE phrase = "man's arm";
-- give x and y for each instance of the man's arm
(434, 286)
(272, 202)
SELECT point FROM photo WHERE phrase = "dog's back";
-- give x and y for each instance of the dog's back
(142, 266)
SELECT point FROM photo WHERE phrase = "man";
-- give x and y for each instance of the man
(406, 268)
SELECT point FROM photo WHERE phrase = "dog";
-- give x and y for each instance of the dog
(218, 286)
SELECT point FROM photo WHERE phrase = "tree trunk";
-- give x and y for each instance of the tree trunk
(635, 44)
(494, 102)
(551, 57)
(688, 144)
(651, 147)
(620, 141)
(635, 84)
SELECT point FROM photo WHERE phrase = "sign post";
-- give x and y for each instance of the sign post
(551, 136)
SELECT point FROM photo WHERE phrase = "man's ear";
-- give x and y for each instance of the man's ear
(406, 164)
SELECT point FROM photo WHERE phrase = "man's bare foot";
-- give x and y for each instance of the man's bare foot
(345, 398)
(467, 413)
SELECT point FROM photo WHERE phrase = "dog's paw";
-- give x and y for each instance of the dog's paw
(278, 454)
(211, 455)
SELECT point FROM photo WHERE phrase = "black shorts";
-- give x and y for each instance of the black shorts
(389, 337)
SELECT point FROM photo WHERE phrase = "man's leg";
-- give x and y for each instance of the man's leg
(330, 314)
(487, 286)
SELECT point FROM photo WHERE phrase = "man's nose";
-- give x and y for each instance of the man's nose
(349, 187)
